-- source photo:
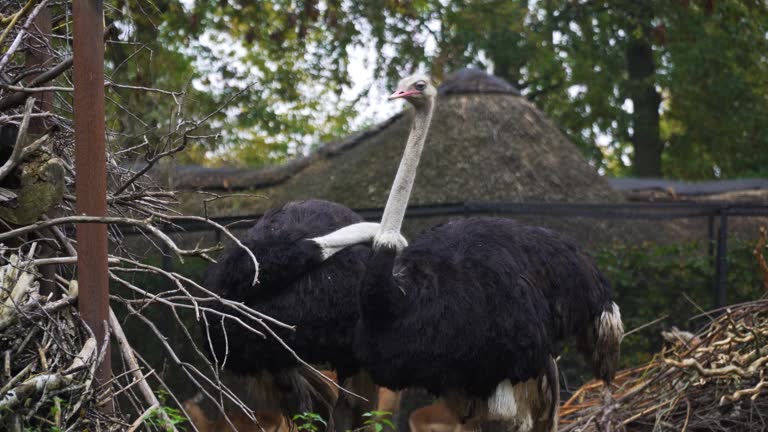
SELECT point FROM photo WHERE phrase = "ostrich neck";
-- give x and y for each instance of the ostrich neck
(379, 296)
(394, 212)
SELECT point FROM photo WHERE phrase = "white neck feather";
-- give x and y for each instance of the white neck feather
(350, 235)
(394, 212)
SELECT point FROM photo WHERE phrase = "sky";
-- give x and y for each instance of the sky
(376, 108)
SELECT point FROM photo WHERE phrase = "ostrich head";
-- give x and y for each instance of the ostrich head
(416, 89)
(419, 92)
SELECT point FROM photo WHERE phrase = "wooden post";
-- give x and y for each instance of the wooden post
(91, 172)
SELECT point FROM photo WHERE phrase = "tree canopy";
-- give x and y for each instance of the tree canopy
(648, 88)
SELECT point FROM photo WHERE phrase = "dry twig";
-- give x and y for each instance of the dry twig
(20, 35)
(720, 379)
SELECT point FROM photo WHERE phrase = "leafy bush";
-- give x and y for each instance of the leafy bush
(309, 422)
(378, 421)
(651, 281)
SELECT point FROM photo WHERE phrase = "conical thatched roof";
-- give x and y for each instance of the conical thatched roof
(486, 143)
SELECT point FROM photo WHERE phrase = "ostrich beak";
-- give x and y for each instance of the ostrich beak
(402, 93)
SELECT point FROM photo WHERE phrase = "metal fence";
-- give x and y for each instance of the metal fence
(716, 215)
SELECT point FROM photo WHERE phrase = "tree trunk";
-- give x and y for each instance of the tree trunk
(39, 56)
(645, 117)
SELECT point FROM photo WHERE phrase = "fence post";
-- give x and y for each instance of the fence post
(466, 211)
(711, 237)
(91, 174)
(721, 263)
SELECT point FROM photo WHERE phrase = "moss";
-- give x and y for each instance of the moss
(42, 187)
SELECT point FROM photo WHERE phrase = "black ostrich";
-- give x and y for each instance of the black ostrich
(475, 310)
(305, 280)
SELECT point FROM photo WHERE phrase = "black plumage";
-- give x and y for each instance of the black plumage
(477, 308)
(473, 302)
(295, 286)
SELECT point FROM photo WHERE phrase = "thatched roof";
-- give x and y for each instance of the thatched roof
(470, 80)
(486, 143)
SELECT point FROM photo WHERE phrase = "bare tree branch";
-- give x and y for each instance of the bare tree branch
(21, 151)
(127, 352)
(20, 35)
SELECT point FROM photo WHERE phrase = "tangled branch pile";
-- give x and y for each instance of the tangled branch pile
(49, 356)
(711, 381)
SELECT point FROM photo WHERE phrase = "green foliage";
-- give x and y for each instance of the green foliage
(569, 57)
(656, 281)
(287, 63)
(45, 423)
(378, 421)
(718, 90)
(651, 281)
(165, 417)
(270, 59)
(375, 421)
(308, 422)
(157, 418)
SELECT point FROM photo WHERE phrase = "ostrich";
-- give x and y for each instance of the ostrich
(475, 309)
(305, 280)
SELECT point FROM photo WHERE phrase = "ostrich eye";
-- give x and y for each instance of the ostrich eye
(421, 85)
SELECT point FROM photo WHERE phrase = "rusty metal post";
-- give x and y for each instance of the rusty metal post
(91, 170)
